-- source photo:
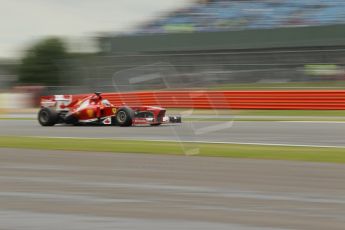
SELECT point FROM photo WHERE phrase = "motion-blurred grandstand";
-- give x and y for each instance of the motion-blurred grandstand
(222, 44)
(225, 15)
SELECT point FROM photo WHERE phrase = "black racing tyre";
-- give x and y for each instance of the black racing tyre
(47, 117)
(124, 116)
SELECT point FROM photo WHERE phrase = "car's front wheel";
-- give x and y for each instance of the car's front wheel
(124, 116)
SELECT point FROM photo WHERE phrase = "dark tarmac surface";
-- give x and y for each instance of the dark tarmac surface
(289, 133)
(57, 190)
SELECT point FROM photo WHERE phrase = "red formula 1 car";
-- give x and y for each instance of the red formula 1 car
(94, 109)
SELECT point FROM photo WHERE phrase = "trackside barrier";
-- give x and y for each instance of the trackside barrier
(15, 101)
(286, 100)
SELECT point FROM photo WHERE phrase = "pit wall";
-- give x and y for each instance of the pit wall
(274, 100)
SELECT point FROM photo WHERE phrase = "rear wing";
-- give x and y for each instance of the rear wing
(57, 102)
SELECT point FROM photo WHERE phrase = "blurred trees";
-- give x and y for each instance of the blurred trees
(42, 63)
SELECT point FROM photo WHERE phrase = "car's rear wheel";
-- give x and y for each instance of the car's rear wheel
(124, 116)
(47, 117)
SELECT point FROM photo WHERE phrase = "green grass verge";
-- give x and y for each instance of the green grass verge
(312, 154)
(262, 119)
(255, 112)
(324, 113)
(280, 86)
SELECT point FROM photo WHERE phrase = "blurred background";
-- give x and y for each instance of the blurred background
(251, 80)
(62, 47)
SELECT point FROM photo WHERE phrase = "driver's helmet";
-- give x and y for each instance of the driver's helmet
(105, 102)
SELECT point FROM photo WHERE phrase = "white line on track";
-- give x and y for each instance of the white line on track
(316, 122)
(204, 142)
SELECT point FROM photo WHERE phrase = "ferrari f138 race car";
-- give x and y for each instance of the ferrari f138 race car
(96, 110)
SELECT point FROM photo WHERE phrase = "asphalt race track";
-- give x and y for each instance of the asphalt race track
(74, 190)
(56, 190)
(290, 133)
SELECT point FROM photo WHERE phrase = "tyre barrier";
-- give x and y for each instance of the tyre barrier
(279, 99)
